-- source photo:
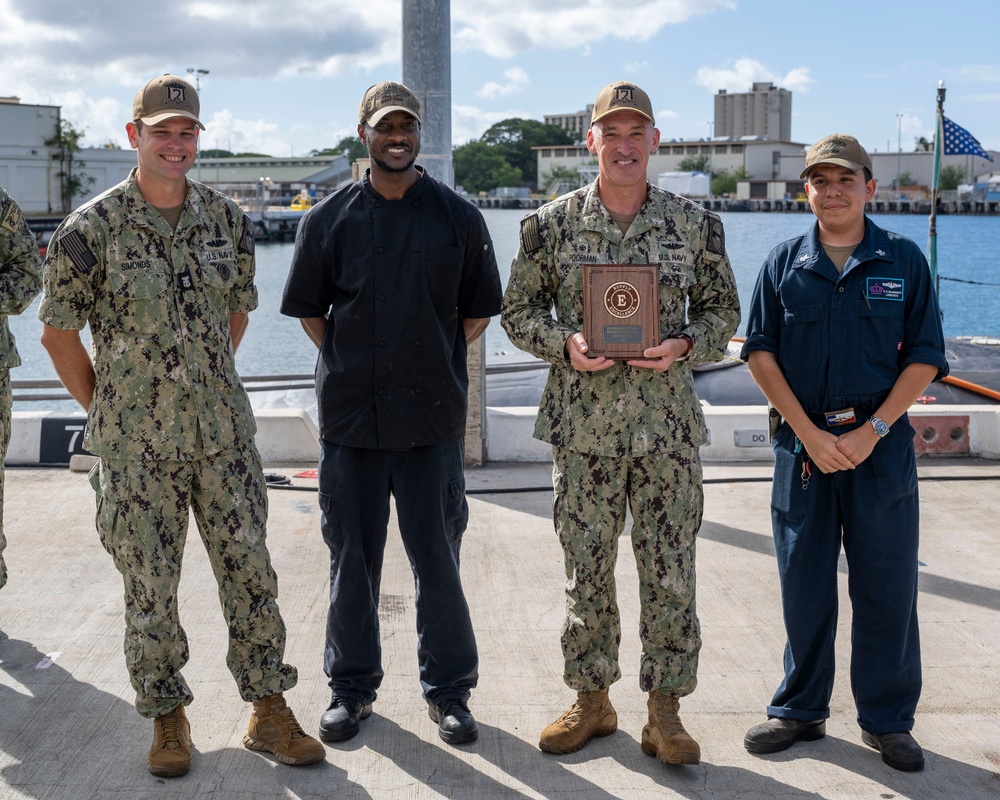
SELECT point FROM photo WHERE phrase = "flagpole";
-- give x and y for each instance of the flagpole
(935, 191)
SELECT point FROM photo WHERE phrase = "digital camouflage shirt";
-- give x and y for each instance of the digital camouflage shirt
(158, 302)
(20, 273)
(621, 411)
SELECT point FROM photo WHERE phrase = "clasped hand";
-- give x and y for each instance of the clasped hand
(657, 358)
(834, 453)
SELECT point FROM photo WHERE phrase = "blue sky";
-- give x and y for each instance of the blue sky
(285, 76)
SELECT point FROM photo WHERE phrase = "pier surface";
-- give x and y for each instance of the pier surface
(68, 730)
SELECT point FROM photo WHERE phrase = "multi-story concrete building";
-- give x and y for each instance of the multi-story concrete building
(26, 169)
(765, 111)
(576, 123)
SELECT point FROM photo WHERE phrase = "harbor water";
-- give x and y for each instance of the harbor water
(967, 263)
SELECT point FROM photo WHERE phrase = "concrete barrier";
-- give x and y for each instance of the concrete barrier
(284, 436)
(739, 433)
(736, 433)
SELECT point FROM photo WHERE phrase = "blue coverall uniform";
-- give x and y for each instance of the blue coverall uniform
(842, 340)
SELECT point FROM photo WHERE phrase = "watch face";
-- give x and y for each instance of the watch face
(881, 428)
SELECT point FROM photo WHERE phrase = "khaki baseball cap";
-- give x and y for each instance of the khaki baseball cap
(165, 97)
(384, 98)
(841, 149)
(622, 96)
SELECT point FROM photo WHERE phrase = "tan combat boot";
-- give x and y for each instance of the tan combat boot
(664, 736)
(591, 715)
(274, 729)
(170, 755)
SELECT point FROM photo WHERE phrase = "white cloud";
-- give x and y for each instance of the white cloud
(468, 123)
(50, 45)
(983, 73)
(740, 75)
(517, 79)
(100, 120)
(503, 28)
(225, 130)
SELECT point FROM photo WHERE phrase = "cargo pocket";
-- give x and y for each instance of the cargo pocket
(787, 495)
(894, 463)
(456, 511)
(107, 509)
(329, 525)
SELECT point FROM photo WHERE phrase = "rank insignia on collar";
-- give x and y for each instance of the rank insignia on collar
(880, 252)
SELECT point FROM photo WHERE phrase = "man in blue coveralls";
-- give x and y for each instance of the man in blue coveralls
(843, 336)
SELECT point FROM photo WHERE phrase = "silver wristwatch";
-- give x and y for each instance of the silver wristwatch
(879, 426)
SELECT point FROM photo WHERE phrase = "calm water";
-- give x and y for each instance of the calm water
(967, 250)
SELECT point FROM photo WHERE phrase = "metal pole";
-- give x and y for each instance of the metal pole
(711, 147)
(197, 87)
(427, 73)
(899, 155)
(932, 230)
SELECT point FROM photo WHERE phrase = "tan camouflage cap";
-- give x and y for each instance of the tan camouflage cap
(385, 97)
(165, 97)
(622, 96)
(840, 149)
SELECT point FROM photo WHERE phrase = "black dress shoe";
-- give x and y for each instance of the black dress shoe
(779, 734)
(340, 721)
(455, 722)
(899, 749)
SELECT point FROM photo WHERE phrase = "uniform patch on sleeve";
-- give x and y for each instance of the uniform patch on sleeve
(79, 251)
(716, 236)
(531, 239)
(247, 243)
(10, 219)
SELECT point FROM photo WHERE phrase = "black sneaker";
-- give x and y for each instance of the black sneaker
(455, 722)
(340, 721)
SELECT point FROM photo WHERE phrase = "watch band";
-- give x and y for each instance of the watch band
(690, 342)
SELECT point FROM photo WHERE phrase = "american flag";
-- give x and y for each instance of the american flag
(957, 140)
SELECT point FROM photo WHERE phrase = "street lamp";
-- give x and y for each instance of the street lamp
(197, 76)
(197, 87)
(711, 126)
(899, 154)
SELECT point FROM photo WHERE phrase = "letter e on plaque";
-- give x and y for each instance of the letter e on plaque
(621, 309)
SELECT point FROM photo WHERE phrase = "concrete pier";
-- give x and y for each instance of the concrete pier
(68, 730)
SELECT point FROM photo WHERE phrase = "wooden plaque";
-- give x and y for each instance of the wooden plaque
(621, 309)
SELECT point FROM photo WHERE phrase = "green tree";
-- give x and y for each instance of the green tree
(951, 176)
(923, 144)
(480, 167)
(73, 181)
(905, 179)
(350, 144)
(216, 153)
(693, 163)
(724, 181)
(514, 139)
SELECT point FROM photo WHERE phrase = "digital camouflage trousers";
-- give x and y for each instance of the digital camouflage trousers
(664, 495)
(142, 518)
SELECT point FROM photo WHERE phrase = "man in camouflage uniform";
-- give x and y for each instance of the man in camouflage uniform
(624, 434)
(162, 269)
(20, 280)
